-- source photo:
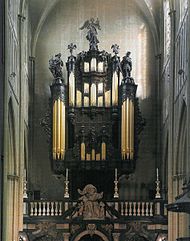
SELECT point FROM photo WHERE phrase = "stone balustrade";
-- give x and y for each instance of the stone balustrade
(124, 208)
(46, 208)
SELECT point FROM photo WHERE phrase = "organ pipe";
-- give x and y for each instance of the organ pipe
(93, 64)
(103, 149)
(127, 129)
(93, 95)
(62, 129)
(58, 135)
(127, 120)
(71, 89)
(123, 137)
(79, 98)
(107, 98)
(83, 151)
(131, 129)
(58, 120)
(115, 80)
(54, 129)
(93, 154)
(58, 129)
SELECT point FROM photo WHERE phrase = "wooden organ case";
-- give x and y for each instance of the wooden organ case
(95, 115)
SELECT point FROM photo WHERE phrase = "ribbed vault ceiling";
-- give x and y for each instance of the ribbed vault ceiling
(39, 10)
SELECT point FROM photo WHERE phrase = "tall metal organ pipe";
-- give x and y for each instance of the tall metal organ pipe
(58, 121)
(128, 92)
(71, 89)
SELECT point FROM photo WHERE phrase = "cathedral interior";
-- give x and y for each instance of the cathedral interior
(95, 120)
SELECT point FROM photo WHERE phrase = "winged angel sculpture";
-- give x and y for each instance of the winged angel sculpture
(92, 26)
(90, 205)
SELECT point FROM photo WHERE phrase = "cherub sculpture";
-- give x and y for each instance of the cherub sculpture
(90, 206)
(55, 66)
(92, 26)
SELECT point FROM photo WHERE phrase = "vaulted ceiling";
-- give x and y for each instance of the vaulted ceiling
(40, 9)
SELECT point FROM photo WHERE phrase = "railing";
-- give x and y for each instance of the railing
(46, 208)
(124, 208)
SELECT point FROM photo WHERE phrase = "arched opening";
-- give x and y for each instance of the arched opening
(91, 235)
(91, 238)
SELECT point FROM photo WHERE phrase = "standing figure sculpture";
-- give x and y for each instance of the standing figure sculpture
(92, 33)
(126, 66)
(55, 66)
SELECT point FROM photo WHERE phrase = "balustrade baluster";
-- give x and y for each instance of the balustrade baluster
(117, 206)
(31, 209)
(39, 209)
(138, 209)
(126, 208)
(151, 209)
(56, 208)
(60, 208)
(142, 209)
(147, 209)
(134, 209)
(43, 209)
(122, 208)
(130, 208)
(48, 208)
(35, 209)
(66, 206)
(52, 209)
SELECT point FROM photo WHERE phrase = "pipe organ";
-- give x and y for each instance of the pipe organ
(58, 120)
(95, 113)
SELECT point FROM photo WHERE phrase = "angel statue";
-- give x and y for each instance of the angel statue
(90, 205)
(55, 66)
(92, 33)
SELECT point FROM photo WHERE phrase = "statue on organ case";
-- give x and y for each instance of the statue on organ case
(55, 66)
(126, 65)
(90, 206)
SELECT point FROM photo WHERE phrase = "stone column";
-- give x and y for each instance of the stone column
(171, 216)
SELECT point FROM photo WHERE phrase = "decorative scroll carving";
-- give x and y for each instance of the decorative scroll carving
(92, 33)
(140, 121)
(74, 228)
(91, 227)
(45, 231)
(90, 205)
(45, 123)
(107, 227)
(55, 66)
(137, 231)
